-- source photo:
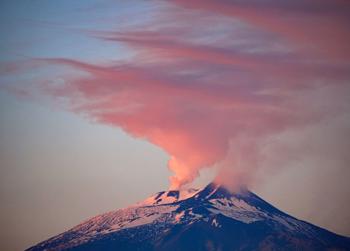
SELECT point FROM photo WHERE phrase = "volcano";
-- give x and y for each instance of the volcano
(209, 219)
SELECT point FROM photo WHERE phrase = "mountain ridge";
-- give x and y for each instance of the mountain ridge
(209, 219)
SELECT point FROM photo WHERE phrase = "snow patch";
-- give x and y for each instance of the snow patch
(168, 197)
(215, 223)
(236, 209)
(179, 216)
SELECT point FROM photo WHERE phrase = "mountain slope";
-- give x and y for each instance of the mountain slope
(210, 219)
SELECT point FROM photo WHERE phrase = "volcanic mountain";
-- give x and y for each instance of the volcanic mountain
(209, 219)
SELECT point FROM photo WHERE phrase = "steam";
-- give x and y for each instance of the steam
(215, 83)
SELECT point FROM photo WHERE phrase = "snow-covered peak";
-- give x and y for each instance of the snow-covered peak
(214, 209)
(167, 197)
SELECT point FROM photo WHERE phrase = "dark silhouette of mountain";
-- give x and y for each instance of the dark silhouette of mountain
(210, 219)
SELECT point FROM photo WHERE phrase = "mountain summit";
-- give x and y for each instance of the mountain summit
(209, 219)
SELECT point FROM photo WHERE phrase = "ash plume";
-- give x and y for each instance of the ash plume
(220, 84)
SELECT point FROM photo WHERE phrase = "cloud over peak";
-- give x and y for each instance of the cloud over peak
(214, 83)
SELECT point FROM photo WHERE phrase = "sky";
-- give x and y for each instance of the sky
(103, 103)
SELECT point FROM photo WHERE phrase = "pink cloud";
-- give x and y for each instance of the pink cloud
(319, 26)
(216, 99)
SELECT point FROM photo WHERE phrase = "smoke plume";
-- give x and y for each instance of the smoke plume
(216, 83)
